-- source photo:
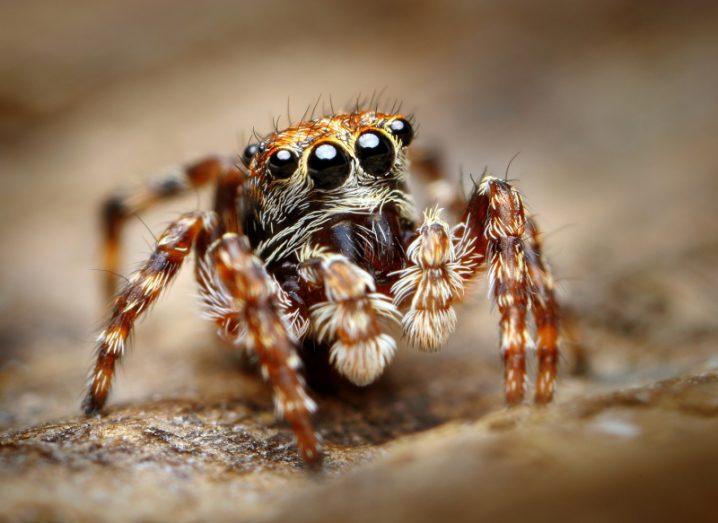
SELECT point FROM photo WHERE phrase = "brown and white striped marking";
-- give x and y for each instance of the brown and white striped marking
(544, 308)
(254, 302)
(121, 205)
(504, 231)
(142, 289)
(219, 307)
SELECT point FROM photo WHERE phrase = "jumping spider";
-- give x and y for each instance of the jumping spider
(314, 235)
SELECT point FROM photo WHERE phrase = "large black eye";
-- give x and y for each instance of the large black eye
(328, 165)
(249, 152)
(402, 130)
(283, 163)
(375, 152)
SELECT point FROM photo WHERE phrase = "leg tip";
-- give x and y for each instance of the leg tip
(308, 444)
(545, 384)
(514, 389)
(314, 460)
(514, 396)
(90, 406)
(543, 397)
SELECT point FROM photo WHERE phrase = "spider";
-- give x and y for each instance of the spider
(314, 236)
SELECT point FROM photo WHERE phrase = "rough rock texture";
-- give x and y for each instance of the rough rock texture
(612, 106)
(555, 464)
(645, 452)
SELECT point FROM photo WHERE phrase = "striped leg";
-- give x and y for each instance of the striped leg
(350, 316)
(493, 233)
(496, 218)
(544, 308)
(118, 207)
(142, 289)
(505, 254)
(247, 297)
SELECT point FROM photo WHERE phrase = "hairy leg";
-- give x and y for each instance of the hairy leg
(496, 218)
(428, 166)
(118, 207)
(504, 229)
(349, 316)
(246, 303)
(142, 289)
(230, 198)
(494, 234)
(544, 308)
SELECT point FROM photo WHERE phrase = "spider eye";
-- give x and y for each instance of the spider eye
(375, 152)
(283, 163)
(249, 152)
(402, 130)
(328, 166)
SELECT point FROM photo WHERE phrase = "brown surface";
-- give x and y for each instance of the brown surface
(613, 109)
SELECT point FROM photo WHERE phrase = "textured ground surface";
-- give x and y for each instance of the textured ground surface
(614, 113)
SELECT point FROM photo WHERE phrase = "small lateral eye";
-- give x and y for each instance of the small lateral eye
(283, 163)
(249, 152)
(375, 153)
(402, 130)
(328, 166)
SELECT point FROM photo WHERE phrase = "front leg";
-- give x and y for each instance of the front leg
(504, 226)
(141, 291)
(545, 312)
(123, 204)
(519, 280)
(249, 297)
(492, 234)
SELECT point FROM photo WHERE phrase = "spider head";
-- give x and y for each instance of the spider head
(331, 159)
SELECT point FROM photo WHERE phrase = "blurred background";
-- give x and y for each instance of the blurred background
(611, 104)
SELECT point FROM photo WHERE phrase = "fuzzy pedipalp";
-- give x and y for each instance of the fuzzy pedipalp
(434, 280)
(350, 316)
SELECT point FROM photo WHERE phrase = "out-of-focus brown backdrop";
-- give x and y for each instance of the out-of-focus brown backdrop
(612, 106)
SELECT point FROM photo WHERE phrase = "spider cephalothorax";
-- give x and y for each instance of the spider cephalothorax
(314, 236)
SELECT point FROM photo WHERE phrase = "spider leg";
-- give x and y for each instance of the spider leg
(427, 166)
(247, 304)
(218, 304)
(121, 205)
(229, 192)
(496, 218)
(142, 289)
(230, 206)
(504, 229)
(544, 308)
(349, 315)
(492, 233)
